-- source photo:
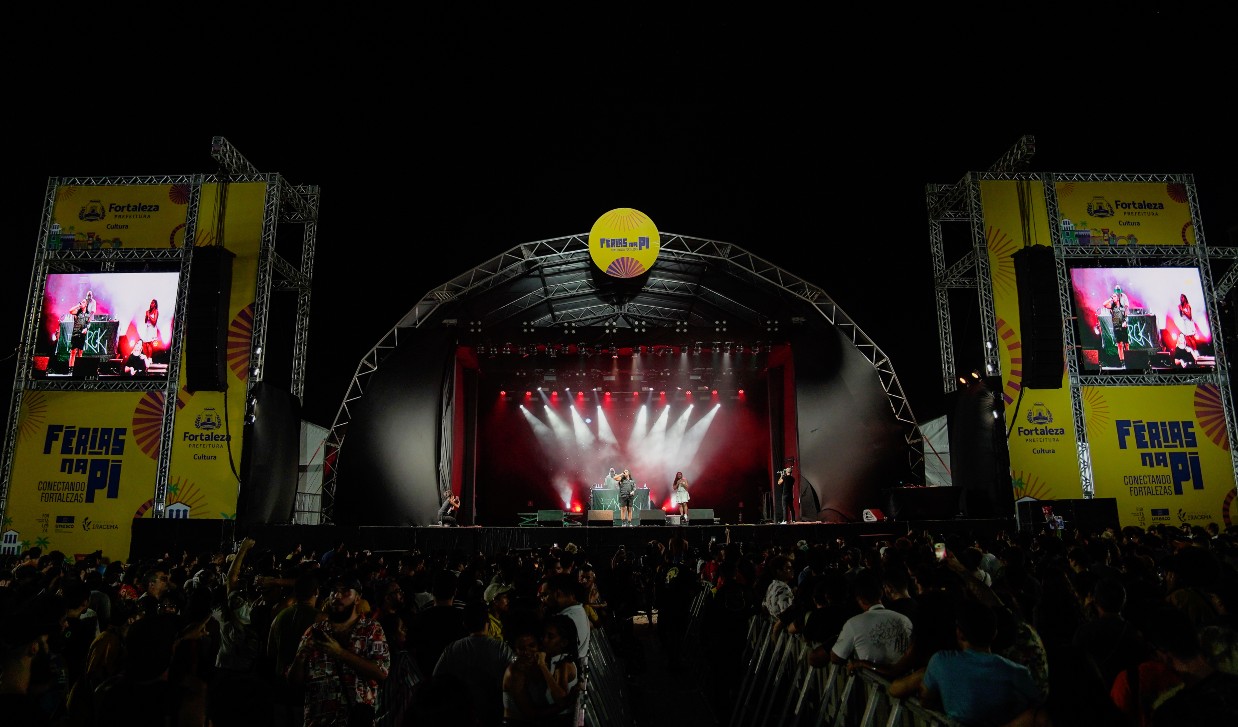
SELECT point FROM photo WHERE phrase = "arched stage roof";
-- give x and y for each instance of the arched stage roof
(548, 297)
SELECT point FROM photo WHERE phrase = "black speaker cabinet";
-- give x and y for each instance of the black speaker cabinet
(207, 316)
(270, 458)
(703, 516)
(1093, 515)
(601, 517)
(923, 503)
(651, 517)
(1040, 317)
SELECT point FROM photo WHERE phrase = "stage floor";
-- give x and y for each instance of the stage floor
(152, 538)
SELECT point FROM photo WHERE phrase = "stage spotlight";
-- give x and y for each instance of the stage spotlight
(526, 327)
(720, 325)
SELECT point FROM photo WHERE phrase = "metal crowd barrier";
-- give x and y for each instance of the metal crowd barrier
(780, 689)
(604, 698)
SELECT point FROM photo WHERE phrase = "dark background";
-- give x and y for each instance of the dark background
(439, 142)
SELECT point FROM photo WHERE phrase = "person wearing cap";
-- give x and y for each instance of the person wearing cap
(498, 605)
(341, 661)
(1119, 306)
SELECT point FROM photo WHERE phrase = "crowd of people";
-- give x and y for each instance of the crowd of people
(1055, 628)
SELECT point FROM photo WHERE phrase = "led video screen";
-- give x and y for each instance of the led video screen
(1141, 319)
(106, 325)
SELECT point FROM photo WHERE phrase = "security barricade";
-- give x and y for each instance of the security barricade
(780, 689)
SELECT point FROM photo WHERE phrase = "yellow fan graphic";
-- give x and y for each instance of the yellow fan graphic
(240, 335)
(1210, 413)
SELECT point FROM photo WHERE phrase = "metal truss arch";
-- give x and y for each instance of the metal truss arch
(696, 283)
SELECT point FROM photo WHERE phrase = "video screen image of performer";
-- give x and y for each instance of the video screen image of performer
(1118, 306)
(1186, 324)
(627, 495)
(680, 496)
(81, 313)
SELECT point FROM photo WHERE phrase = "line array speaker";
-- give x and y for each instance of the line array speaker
(1040, 317)
(206, 319)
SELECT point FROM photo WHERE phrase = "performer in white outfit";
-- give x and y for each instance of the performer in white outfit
(679, 496)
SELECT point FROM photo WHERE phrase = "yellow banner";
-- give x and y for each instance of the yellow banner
(85, 462)
(122, 216)
(83, 468)
(1124, 213)
(1040, 422)
(1162, 452)
(206, 446)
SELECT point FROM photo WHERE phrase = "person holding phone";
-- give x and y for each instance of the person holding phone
(341, 661)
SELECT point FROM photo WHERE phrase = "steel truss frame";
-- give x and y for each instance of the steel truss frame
(284, 203)
(944, 203)
(571, 250)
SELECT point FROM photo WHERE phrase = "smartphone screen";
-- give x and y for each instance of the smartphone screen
(940, 550)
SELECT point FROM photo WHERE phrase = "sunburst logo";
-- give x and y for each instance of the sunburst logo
(624, 243)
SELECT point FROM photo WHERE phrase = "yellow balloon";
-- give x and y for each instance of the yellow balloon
(624, 243)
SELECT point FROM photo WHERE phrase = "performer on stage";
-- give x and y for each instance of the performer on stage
(787, 481)
(627, 494)
(679, 496)
(447, 511)
(612, 480)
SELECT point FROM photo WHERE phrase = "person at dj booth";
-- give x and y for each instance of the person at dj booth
(787, 482)
(447, 511)
(627, 495)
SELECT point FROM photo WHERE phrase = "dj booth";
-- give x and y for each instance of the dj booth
(607, 498)
(102, 334)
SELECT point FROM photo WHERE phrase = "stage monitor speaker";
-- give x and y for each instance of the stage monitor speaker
(652, 517)
(206, 319)
(703, 516)
(601, 517)
(550, 518)
(923, 503)
(1040, 317)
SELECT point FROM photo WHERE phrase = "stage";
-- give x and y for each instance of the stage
(153, 538)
